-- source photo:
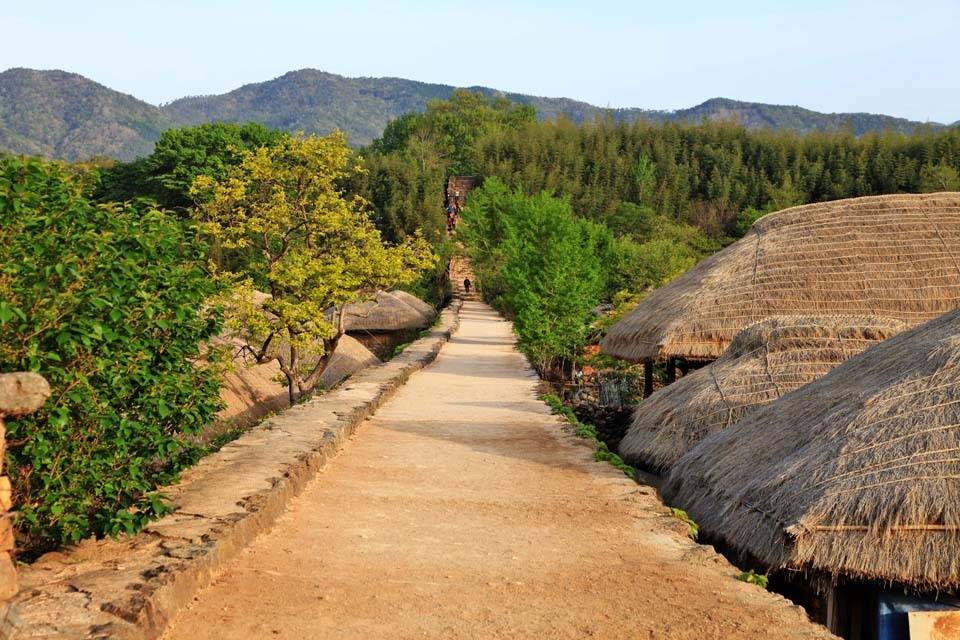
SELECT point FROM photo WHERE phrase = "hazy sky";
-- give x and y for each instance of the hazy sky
(896, 58)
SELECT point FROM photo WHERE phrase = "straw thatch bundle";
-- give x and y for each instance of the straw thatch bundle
(893, 256)
(386, 312)
(855, 474)
(423, 308)
(765, 361)
(349, 357)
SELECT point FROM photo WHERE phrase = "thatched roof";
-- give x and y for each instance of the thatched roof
(765, 361)
(423, 308)
(385, 312)
(893, 256)
(349, 357)
(855, 474)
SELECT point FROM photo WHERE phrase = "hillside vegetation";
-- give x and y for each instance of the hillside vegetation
(645, 201)
(66, 116)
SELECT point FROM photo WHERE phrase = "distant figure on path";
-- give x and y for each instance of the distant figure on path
(451, 217)
(466, 285)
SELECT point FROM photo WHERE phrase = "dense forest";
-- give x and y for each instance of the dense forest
(706, 174)
(664, 195)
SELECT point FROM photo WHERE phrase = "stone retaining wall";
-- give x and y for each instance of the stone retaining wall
(132, 587)
(20, 394)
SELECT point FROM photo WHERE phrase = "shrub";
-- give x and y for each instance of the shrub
(693, 529)
(754, 578)
(545, 266)
(584, 430)
(106, 303)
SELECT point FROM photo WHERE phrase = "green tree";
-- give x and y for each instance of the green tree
(179, 157)
(550, 267)
(645, 177)
(319, 251)
(107, 303)
(941, 177)
(448, 129)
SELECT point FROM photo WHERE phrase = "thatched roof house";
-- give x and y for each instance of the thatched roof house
(856, 474)
(348, 358)
(425, 309)
(386, 312)
(893, 256)
(765, 361)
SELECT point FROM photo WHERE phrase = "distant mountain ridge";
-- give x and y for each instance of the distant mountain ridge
(65, 115)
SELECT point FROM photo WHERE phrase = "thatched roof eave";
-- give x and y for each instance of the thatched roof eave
(893, 256)
(856, 474)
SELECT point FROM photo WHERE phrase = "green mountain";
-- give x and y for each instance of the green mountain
(755, 115)
(313, 101)
(64, 115)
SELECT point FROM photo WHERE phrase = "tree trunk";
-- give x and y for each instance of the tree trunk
(329, 346)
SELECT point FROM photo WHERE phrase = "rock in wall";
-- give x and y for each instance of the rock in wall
(20, 394)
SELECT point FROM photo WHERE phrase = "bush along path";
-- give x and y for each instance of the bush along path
(464, 509)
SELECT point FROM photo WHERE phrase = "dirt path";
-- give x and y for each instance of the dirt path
(462, 510)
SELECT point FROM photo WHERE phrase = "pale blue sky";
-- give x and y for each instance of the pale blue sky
(899, 58)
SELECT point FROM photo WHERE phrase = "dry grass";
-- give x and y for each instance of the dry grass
(855, 474)
(764, 362)
(892, 256)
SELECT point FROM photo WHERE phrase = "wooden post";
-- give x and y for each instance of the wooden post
(648, 378)
(671, 370)
(832, 622)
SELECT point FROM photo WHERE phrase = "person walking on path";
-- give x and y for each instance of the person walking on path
(451, 218)
(466, 285)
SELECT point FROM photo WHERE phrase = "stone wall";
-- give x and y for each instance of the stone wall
(20, 394)
(459, 186)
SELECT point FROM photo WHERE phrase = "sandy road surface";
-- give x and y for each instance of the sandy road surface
(463, 510)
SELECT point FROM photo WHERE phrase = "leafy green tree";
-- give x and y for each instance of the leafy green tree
(179, 157)
(107, 303)
(550, 267)
(941, 177)
(645, 177)
(319, 251)
(448, 129)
